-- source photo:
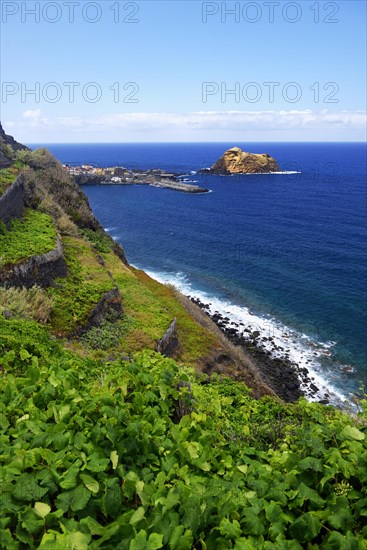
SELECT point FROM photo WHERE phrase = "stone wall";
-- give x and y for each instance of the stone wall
(12, 202)
(38, 270)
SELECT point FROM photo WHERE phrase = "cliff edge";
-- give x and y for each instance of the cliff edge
(8, 147)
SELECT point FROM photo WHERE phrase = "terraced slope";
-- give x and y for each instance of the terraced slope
(106, 444)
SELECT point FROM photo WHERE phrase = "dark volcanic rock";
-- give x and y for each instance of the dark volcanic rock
(5, 161)
(7, 314)
(279, 374)
(169, 343)
(110, 303)
(89, 179)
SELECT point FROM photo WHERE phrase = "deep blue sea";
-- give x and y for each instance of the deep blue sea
(285, 253)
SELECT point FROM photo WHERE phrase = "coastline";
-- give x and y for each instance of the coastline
(281, 375)
(302, 375)
(287, 371)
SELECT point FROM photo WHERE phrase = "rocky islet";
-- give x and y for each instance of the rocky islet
(236, 161)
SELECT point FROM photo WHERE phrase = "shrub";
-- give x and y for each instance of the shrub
(108, 335)
(49, 206)
(7, 150)
(24, 156)
(41, 159)
(47, 178)
(33, 303)
(99, 239)
(66, 226)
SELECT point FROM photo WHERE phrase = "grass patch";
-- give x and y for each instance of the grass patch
(33, 235)
(153, 306)
(77, 295)
(99, 239)
(9, 175)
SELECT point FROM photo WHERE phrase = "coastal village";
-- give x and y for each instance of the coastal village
(233, 161)
(88, 174)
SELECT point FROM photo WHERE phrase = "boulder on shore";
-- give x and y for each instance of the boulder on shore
(236, 161)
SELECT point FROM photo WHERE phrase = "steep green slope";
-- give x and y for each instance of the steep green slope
(106, 444)
(96, 265)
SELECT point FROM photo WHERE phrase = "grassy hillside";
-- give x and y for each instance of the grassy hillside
(105, 443)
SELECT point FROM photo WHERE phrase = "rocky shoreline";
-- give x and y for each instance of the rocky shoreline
(283, 376)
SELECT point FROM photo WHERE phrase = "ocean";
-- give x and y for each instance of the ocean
(285, 254)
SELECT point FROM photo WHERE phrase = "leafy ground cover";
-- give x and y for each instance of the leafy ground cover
(34, 234)
(148, 455)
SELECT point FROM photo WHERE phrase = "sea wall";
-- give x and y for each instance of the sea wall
(12, 202)
(38, 270)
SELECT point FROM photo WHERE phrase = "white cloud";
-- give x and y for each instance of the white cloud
(33, 115)
(195, 126)
(226, 119)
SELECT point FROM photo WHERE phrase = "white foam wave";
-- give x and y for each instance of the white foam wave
(286, 172)
(277, 339)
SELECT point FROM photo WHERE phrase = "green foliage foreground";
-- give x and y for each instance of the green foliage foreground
(146, 455)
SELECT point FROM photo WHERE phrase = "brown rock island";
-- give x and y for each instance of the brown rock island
(236, 161)
(118, 175)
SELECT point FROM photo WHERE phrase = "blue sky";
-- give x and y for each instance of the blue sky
(183, 70)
